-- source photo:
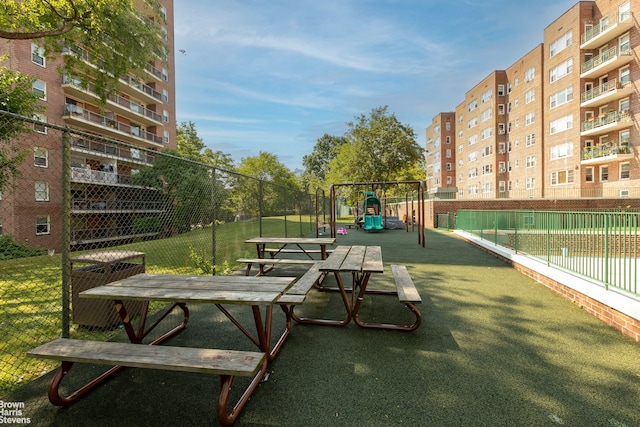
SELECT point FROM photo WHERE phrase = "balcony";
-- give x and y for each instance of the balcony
(96, 235)
(603, 153)
(608, 28)
(130, 85)
(132, 155)
(606, 122)
(109, 126)
(605, 93)
(84, 205)
(140, 90)
(119, 104)
(608, 60)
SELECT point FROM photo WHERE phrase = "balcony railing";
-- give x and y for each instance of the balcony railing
(86, 57)
(610, 86)
(606, 25)
(606, 119)
(604, 150)
(88, 235)
(609, 55)
(72, 110)
(116, 99)
(142, 87)
(81, 204)
(130, 154)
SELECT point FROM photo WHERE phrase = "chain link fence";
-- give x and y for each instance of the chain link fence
(78, 211)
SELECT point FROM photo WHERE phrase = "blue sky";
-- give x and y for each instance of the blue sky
(276, 75)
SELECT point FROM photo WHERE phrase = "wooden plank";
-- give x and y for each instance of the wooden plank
(290, 299)
(305, 283)
(212, 361)
(407, 291)
(253, 297)
(293, 240)
(269, 261)
(373, 260)
(296, 251)
(240, 283)
(354, 260)
(334, 261)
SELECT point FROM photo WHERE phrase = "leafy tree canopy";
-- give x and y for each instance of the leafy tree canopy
(267, 167)
(83, 29)
(380, 149)
(191, 146)
(316, 163)
(18, 97)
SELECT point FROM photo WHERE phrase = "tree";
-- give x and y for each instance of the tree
(191, 146)
(17, 97)
(316, 163)
(83, 28)
(382, 149)
(273, 186)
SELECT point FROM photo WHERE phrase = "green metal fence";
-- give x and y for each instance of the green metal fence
(599, 245)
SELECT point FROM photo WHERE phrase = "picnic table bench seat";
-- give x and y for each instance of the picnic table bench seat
(407, 293)
(295, 251)
(271, 261)
(226, 363)
(297, 293)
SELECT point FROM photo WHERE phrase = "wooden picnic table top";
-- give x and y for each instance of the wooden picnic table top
(364, 259)
(248, 290)
(293, 240)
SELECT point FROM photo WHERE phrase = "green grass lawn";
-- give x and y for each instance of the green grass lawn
(31, 288)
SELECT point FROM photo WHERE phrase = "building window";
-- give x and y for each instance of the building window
(40, 88)
(530, 140)
(530, 74)
(42, 191)
(604, 173)
(562, 150)
(562, 177)
(165, 75)
(531, 161)
(561, 97)
(40, 127)
(588, 174)
(165, 95)
(530, 96)
(530, 118)
(449, 180)
(624, 170)
(42, 225)
(41, 157)
(561, 124)
(37, 56)
(500, 90)
(561, 70)
(166, 136)
(530, 183)
(165, 116)
(561, 43)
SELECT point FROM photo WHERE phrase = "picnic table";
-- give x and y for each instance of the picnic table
(260, 293)
(360, 262)
(277, 249)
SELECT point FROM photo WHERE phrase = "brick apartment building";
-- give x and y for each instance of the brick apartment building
(141, 114)
(560, 123)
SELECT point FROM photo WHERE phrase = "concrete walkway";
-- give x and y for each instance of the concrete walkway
(495, 349)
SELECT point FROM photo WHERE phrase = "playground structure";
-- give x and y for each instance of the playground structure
(415, 205)
(371, 213)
